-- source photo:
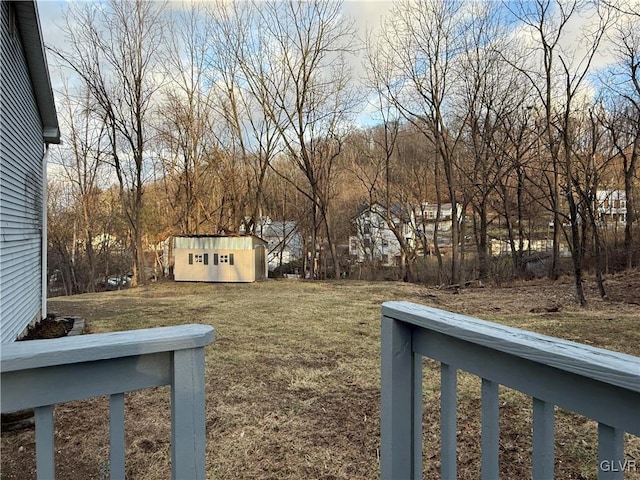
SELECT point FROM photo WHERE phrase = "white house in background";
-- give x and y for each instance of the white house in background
(425, 216)
(219, 258)
(374, 239)
(29, 125)
(283, 239)
(612, 206)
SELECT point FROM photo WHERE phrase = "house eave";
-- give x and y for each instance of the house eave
(31, 35)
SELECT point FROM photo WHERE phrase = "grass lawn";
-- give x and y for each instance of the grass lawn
(293, 381)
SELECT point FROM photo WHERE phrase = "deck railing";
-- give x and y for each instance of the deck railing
(39, 374)
(599, 384)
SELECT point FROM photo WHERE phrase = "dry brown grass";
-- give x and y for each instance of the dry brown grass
(293, 382)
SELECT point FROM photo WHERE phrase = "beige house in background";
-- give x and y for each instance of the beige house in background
(219, 258)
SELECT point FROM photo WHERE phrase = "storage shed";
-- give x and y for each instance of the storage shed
(219, 258)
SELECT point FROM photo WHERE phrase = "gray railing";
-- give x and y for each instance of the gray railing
(39, 374)
(596, 383)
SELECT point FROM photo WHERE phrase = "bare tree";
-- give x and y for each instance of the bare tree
(423, 40)
(385, 138)
(184, 119)
(558, 80)
(82, 158)
(62, 220)
(486, 97)
(113, 48)
(236, 58)
(304, 83)
(623, 100)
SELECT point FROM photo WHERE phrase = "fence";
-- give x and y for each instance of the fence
(39, 374)
(596, 383)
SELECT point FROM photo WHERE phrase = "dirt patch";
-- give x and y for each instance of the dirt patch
(50, 327)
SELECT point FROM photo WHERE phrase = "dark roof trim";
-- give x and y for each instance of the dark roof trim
(31, 34)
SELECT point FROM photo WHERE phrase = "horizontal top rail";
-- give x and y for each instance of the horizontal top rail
(87, 348)
(614, 368)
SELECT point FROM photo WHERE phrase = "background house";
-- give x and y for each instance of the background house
(219, 258)
(29, 125)
(283, 239)
(374, 239)
(425, 216)
(612, 206)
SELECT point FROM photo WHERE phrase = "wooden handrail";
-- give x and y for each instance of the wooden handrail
(41, 373)
(85, 348)
(597, 383)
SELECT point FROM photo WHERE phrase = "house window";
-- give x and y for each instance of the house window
(198, 258)
(385, 243)
(366, 228)
(367, 243)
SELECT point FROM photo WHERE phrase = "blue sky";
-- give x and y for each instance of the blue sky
(367, 15)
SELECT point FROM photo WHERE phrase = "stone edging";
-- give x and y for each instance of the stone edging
(78, 326)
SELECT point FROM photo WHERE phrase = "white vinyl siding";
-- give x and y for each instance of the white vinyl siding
(21, 173)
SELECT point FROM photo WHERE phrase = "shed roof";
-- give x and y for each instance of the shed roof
(31, 34)
(215, 242)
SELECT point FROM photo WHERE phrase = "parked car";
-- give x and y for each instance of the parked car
(122, 281)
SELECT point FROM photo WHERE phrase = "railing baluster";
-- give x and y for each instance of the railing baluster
(611, 464)
(45, 442)
(543, 439)
(116, 436)
(448, 420)
(490, 430)
(416, 412)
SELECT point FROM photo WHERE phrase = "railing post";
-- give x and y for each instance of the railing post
(188, 415)
(401, 404)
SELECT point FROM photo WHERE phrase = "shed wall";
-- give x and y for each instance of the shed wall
(21, 190)
(219, 259)
(261, 266)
